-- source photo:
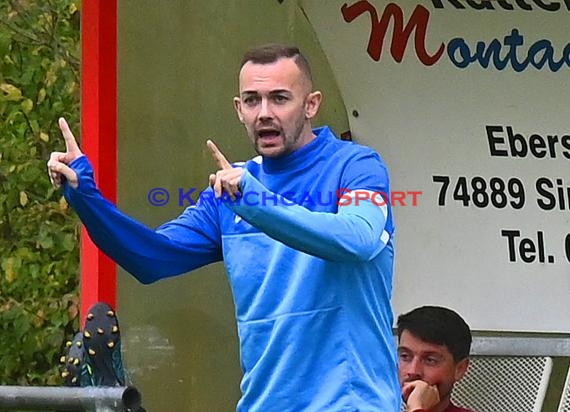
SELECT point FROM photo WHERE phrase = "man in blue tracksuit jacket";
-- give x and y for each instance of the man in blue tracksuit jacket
(306, 234)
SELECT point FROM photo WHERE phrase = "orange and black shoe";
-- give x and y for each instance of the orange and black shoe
(102, 345)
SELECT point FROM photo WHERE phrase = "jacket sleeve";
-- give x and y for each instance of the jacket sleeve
(357, 232)
(190, 241)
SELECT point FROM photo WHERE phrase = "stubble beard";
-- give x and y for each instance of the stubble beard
(290, 141)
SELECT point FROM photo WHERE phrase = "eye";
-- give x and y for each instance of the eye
(251, 100)
(404, 357)
(431, 361)
(280, 98)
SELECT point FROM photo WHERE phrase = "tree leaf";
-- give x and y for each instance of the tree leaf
(11, 92)
(27, 106)
(8, 267)
(23, 198)
(69, 242)
(46, 242)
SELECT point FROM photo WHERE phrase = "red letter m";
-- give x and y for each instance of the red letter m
(400, 35)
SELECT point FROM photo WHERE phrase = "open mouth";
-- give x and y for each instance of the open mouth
(268, 135)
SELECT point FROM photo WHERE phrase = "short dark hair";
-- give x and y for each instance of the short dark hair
(438, 325)
(271, 52)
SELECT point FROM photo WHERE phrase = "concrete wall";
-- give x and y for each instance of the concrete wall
(177, 75)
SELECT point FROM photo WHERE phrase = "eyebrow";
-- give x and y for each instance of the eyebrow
(428, 353)
(280, 91)
(271, 93)
(435, 354)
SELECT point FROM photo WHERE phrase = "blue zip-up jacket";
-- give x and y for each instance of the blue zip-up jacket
(308, 249)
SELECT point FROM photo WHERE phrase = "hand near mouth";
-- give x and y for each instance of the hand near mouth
(419, 395)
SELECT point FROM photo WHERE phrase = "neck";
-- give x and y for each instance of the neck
(307, 135)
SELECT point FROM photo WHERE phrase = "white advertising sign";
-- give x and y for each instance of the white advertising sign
(468, 103)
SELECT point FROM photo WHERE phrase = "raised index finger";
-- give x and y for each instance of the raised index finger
(71, 145)
(218, 156)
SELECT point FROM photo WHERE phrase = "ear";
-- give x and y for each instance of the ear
(312, 104)
(237, 106)
(461, 368)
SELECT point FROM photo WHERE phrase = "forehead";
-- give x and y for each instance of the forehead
(410, 342)
(283, 74)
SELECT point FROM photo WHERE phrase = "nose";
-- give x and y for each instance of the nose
(414, 369)
(265, 111)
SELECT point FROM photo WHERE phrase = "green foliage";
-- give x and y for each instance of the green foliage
(39, 235)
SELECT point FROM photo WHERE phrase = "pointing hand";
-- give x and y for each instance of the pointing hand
(58, 164)
(227, 179)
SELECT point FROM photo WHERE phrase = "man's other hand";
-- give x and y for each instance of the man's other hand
(58, 163)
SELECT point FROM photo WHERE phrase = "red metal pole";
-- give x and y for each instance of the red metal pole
(99, 136)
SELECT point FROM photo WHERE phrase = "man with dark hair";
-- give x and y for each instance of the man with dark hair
(306, 237)
(433, 353)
